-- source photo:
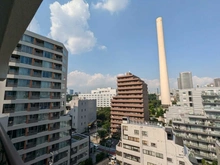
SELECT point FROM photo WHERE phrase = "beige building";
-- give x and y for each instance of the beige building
(131, 101)
(83, 113)
(149, 144)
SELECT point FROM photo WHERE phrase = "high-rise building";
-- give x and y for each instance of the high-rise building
(33, 95)
(185, 80)
(150, 144)
(102, 96)
(131, 101)
(83, 113)
(217, 82)
(164, 81)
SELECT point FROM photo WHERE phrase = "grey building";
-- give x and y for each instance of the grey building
(33, 96)
(200, 128)
(217, 82)
(185, 80)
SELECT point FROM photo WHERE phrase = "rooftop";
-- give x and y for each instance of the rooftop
(77, 137)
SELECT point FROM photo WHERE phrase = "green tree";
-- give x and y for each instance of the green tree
(87, 162)
(102, 133)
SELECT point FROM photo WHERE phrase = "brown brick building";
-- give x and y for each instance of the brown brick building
(131, 101)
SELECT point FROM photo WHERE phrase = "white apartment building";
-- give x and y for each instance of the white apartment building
(199, 124)
(33, 96)
(102, 96)
(83, 113)
(149, 144)
(79, 148)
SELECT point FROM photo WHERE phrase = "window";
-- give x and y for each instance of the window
(27, 38)
(136, 132)
(47, 64)
(169, 160)
(181, 163)
(46, 74)
(130, 147)
(144, 133)
(189, 93)
(149, 163)
(48, 45)
(148, 152)
(153, 145)
(125, 128)
(132, 157)
(144, 142)
(191, 104)
(24, 71)
(133, 139)
(25, 60)
(26, 49)
(159, 155)
(23, 83)
(45, 84)
(47, 54)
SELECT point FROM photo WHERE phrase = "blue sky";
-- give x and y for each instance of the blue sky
(110, 37)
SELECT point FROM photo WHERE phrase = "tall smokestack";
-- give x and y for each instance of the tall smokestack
(164, 82)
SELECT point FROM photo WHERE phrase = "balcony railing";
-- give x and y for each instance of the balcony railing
(11, 84)
(54, 117)
(54, 138)
(13, 72)
(10, 97)
(14, 60)
(35, 86)
(34, 120)
(34, 109)
(55, 107)
(37, 64)
(54, 128)
(36, 75)
(12, 156)
(35, 97)
(27, 159)
(55, 97)
(9, 110)
(54, 149)
(56, 87)
(32, 132)
(30, 145)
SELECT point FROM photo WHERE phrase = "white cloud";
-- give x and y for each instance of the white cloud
(83, 82)
(102, 47)
(201, 81)
(34, 26)
(112, 5)
(70, 26)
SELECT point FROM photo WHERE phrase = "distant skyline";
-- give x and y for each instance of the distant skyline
(110, 37)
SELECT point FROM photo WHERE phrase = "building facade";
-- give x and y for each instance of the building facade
(102, 96)
(141, 145)
(201, 130)
(185, 80)
(83, 113)
(79, 148)
(33, 96)
(131, 101)
(217, 82)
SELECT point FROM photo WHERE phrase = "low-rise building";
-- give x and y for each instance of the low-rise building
(83, 113)
(102, 96)
(79, 148)
(150, 144)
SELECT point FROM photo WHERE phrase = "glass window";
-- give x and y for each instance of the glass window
(23, 83)
(25, 60)
(46, 74)
(26, 49)
(19, 119)
(44, 105)
(21, 107)
(47, 64)
(47, 54)
(48, 45)
(24, 71)
(21, 95)
(136, 132)
(144, 133)
(45, 95)
(45, 84)
(27, 38)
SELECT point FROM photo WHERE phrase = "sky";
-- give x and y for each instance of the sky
(106, 38)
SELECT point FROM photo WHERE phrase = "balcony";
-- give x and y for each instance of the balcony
(55, 107)
(32, 132)
(35, 97)
(56, 87)
(36, 75)
(129, 83)
(127, 79)
(27, 159)
(34, 109)
(33, 120)
(131, 92)
(54, 139)
(140, 96)
(15, 72)
(37, 53)
(116, 122)
(30, 145)
(36, 86)
(55, 97)
(127, 109)
(12, 97)
(11, 85)
(127, 114)
(54, 117)
(54, 149)
(9, 110)
(54, 128)
(127, 105)
(127, 101)
(37, 64)
(14, 60)
(206, 94)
